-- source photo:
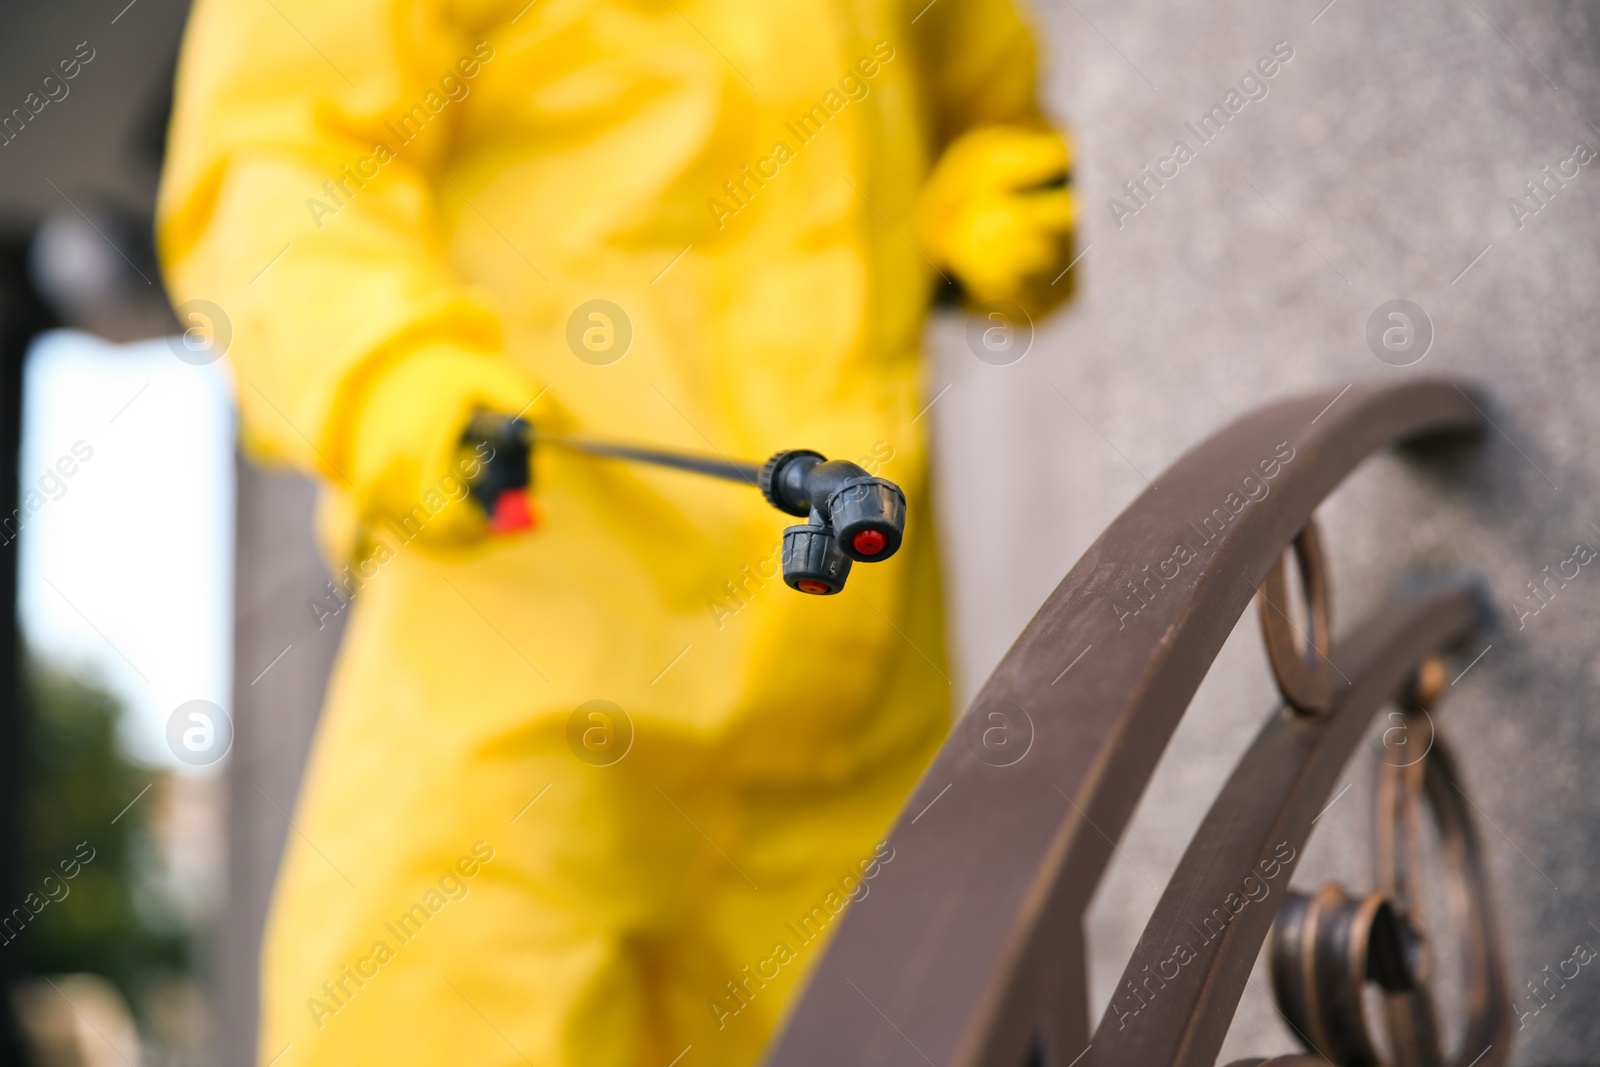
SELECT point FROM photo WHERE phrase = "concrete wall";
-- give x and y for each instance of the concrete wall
(1378, 166)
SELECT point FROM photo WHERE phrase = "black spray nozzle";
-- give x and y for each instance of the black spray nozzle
(852, 516)
(866, 514)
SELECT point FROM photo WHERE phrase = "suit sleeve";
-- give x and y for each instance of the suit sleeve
(980, 66)
(297, 205)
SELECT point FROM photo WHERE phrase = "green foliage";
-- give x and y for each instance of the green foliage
(97, 916)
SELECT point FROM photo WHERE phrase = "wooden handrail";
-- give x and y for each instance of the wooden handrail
(970, 950)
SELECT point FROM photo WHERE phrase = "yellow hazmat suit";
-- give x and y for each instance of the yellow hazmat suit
(595, 793)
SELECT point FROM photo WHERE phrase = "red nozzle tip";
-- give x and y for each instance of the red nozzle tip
(513, 511)
(869, 542)
(811, 585)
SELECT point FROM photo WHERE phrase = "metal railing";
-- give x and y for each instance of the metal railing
(970, 950)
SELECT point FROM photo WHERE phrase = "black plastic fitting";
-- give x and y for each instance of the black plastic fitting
(508, 466)
(866, 514)
(783, 479)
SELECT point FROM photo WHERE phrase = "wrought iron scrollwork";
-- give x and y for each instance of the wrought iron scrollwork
(1299, 656)
(1327, 949)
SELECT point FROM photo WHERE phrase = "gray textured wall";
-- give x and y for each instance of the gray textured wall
(281, 665)
(1379, 166)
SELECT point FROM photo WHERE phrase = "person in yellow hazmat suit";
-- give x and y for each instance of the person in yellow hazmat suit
(595, 792)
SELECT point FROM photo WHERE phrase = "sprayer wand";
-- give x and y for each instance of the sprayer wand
(851, 515)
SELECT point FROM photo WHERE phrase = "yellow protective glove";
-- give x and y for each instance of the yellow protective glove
(404, 453)
(997, 212)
